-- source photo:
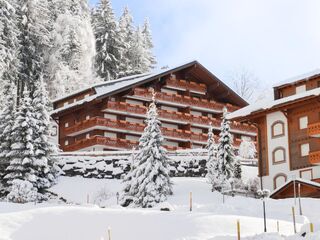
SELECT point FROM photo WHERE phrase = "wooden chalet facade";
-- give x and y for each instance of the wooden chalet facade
(110, 115)
(288, 131)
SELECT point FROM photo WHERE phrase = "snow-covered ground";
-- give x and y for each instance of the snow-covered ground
(210, 218)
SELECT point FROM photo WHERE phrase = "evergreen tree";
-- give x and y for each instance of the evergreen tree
(22, 149)
(126, 33)
(34, 40)
(6, 124)
(247, 149)
(148, 44)
(148, 182)
(9, 43)
(108, 45)
(212, 163)
(225, 155)
(71, 57)
(43, 148)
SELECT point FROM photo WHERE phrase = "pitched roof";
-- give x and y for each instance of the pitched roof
(299, 78)
(122, 84)
(269, 105)
(298, 180)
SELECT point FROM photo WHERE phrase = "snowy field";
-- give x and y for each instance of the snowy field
(210, 218)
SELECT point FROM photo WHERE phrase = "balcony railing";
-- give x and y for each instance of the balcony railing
(108, 142)
(185, 85)
(177, 116)
(314, 157)
(193, 102)
(314, 130)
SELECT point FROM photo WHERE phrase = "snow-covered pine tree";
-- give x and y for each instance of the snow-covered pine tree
(237, 169)
(71, 57)
(22, 149)
(6, 124)
(247, 149)
(148, 182)
(225, 154)
(138, 54)
(148, 44)
(108, 44)
(212, 163)
(34, 40)
(43, 147)
(126, 33)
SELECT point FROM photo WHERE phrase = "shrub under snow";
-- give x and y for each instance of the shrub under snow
(22, 192)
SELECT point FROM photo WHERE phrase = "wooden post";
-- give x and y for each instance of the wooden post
(190, 196)
(311, 227)
(88, 200)
(294, 220)
(109, 233)
(299, 195)
(278, 227)
(238, 229)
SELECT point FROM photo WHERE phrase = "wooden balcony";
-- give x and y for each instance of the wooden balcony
(138, 110)
(314, 130)
(186, 85)
(314, 157)
(180, 100)
(107, 142)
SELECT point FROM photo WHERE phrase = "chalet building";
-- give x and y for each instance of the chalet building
(288, 132)
(110, 115)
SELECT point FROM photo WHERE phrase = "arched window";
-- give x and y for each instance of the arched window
(279, 179)
(278, 155)
(277, 129)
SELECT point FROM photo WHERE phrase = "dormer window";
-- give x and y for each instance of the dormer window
(300, 89)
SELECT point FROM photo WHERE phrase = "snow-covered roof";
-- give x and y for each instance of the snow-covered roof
(299, 180)
(292, 80)
(267, 104)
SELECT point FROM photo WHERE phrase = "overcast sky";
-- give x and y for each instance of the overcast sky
(274, 39)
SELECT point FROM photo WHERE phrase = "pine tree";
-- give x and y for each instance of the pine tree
(148, 44)
(212, 163)
(108, 45)
(9, 43)
(34, 40)
(225, 155)
(71, 57)
(22, 149)
(126, 33)
(247, 149)
(6, 124)
(237, 169)
(43, 148)
(148, 182)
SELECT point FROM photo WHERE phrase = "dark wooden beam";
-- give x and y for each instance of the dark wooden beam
(223, 95)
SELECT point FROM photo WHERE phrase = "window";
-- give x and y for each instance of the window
(304, 149)
(87, 117)
(279, 180)
(66, 125)
(66, 142)
(303, 122)
(278, 155)
(87, 95)
(65, 103)
(277, 129)
(88, 135)
(300, 89)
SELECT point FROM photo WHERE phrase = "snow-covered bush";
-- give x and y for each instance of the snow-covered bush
(253, 185)
(102, 196)
(22, 191)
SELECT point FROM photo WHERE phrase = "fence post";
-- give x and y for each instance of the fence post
(278, 227)
(88, 200)
(294, 220)
(238, 229)
(190, 198)
(109, 233)
(311, 227)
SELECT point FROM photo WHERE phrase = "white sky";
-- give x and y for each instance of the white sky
(274, 39)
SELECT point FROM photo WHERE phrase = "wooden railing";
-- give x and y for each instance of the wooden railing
(314, 130)
(184, 100)
(178, 116)
(314, 157)
(183, 84)
(108, 142)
